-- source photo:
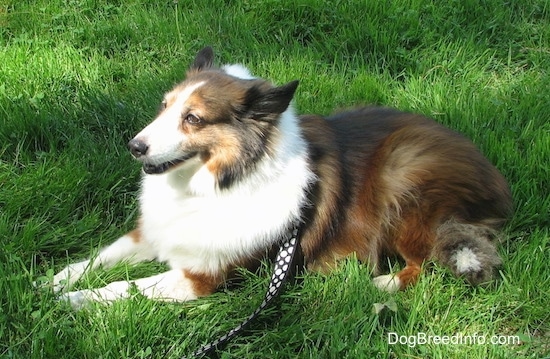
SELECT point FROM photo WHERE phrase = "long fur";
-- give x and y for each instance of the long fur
(229, 169)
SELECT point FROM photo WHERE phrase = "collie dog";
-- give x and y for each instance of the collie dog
(229, 170)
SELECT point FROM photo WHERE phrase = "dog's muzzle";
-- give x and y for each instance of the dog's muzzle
(139, 149)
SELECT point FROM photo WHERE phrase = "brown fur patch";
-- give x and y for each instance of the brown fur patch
(226, 152)
(409, 275)
(135, 235)
(203, 284)
(215, 101)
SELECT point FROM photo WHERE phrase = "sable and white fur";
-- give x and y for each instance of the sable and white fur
(229, 169)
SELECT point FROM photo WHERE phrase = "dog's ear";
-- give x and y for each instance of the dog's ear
(269, 104)
(203, 60)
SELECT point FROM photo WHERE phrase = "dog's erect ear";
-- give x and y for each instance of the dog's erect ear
(268, 104)
(204, 59)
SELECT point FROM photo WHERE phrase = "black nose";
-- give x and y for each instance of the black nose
(138, 148)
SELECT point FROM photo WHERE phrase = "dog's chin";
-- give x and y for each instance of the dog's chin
(156, 169)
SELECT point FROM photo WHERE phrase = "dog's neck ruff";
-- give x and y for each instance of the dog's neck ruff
(281, 271)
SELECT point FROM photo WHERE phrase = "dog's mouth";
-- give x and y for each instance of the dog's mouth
(155, 169)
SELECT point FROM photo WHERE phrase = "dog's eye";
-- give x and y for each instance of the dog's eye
(192, 119)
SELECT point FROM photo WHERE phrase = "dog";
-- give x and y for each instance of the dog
(229, 170)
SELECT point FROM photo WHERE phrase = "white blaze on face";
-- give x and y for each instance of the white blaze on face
(163, 136)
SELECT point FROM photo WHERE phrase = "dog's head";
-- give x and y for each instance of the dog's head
(222, 116)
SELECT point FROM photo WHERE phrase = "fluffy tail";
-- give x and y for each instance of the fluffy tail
(468, 250)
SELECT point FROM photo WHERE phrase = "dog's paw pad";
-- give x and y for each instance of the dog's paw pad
(388, 283)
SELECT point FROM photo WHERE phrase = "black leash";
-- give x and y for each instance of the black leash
(281, 271)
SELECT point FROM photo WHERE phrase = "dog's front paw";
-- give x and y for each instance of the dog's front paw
(78, 299)
(57, 282)
(69, 276)
(61, 280)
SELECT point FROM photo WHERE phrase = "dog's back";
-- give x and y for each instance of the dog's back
(398, 183)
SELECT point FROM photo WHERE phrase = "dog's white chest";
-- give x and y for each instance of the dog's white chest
(210, 229)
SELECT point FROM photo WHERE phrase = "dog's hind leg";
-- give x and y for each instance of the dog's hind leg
(391, 283)
(129, 248)
(413, 242)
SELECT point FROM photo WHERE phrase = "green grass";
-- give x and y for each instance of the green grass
(79, 77)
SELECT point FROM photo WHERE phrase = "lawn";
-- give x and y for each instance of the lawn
(78, 78)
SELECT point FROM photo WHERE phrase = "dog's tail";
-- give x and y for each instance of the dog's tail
(468, 250)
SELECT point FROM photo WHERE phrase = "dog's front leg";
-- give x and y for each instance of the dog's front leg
(175, 285)
(129, 247)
